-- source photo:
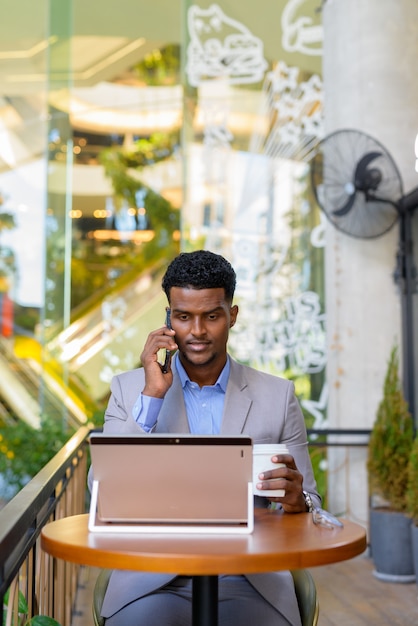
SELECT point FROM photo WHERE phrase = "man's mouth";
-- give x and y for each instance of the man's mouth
(197, 346)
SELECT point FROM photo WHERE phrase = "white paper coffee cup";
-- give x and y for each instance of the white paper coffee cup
(262, 454)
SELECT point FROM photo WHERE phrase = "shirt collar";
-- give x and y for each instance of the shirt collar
(222, 378)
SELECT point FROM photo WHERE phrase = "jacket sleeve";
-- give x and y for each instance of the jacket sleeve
(296, 439)
(124, 390)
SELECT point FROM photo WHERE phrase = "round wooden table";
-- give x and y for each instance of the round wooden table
(279, 541)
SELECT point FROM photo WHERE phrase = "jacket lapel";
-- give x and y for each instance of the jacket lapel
(237, 401)
(173, 417)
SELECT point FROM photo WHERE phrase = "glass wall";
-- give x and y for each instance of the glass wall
(24, 62)
(135, 132)
(253, 112)
(24, 113)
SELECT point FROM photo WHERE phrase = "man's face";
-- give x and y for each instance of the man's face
(201, 319)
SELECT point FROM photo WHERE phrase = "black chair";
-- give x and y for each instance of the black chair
(304, 587)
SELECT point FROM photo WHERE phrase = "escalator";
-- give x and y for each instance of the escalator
(22, 395)
(105, 341)
(109, 338)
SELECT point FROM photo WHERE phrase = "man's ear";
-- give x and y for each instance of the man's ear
(234, 315)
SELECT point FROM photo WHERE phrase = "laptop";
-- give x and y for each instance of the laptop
(171, 483)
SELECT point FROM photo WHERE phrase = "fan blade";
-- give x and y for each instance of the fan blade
(346, 208)
(365, 179)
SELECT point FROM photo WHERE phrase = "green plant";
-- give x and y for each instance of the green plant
(391, 442)
(119, 162)
(160, 66)
(24, 451)
(37, 620)
(412, 484)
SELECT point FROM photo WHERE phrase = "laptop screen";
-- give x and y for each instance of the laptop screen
(172, 479)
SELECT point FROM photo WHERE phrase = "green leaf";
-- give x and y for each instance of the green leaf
(22, 606)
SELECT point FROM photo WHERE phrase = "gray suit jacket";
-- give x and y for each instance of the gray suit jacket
(259, 405)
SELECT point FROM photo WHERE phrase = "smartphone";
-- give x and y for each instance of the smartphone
(167, 359)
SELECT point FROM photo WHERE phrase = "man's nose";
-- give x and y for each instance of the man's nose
(198, 326)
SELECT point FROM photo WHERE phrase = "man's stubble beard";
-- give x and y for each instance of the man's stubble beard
(186, 359)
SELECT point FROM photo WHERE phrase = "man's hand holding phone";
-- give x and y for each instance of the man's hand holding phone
(158, 376)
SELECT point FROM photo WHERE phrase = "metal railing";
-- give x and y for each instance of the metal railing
(58, 490)
(335, 437)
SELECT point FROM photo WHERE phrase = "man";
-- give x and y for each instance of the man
(205, 391)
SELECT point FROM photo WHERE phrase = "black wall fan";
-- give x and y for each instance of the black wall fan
(359, 188)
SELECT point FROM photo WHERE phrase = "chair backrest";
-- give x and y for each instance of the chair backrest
(99, 594)
(306, 596)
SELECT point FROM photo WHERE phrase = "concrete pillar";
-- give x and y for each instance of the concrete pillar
(370, 53)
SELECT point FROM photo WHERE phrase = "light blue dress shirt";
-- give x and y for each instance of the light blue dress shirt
(204, 406)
